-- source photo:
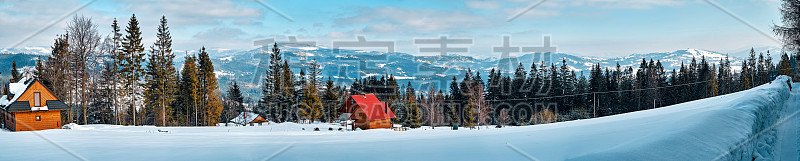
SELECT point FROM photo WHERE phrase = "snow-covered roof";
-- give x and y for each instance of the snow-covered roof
(241, 119)
(16, 90)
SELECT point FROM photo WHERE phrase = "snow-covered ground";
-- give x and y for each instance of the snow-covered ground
(708, 129)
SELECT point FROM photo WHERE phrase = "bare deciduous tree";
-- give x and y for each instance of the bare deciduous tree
(84, 43)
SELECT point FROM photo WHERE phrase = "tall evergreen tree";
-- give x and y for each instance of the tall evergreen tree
(790, 29)
(597, 84)
(189, 92)
(331, 100)
(117, 56)
(271, 89)
(311, 105)
(790, 32)
(53, 75)
(234, 103)
(414, 113)
(133, 71)
(161, 76)
(210, 98)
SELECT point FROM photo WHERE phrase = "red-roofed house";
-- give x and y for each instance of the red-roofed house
(368, 112)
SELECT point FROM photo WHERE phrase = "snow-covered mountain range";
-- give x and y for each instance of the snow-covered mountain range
(344, 65)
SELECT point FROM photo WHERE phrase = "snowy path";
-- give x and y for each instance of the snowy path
(788, 140)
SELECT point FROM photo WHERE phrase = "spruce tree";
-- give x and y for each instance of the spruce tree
(272, 86)
(15, 76)
(414, 113)
(331, 100)
(312, 106)
(134, 56)
(783, 66)
(212, 107)
(116, 66)
(790, 29)
(234, 102)
(161, 75)
(745, 75)
(189, 92)
(53, 75)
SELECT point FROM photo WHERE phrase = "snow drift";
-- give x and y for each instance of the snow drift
(729, 127)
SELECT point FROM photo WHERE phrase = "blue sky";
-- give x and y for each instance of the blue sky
(605, 28)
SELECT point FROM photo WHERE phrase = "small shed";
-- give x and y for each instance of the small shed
(246, 118)
(29, 106)
(367, 112)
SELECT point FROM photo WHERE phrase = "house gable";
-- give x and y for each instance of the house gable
(30, 93)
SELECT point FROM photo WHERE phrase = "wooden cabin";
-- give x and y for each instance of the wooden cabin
(367, 112)
(250, 118)
(29, 106)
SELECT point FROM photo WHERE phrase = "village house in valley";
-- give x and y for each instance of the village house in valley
(29, 106)
(368, 112)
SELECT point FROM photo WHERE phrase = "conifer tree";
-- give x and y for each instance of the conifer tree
(161, 75)
(724, 78)
(117, 78)
(233, 103)
(53, 75)
(783, 66)
(518, 82)
(414, 114)
(311, 105)
(331, 100)
(210, 96)
(272, 88)
(189, 92)
(15, 76)
(744, 77)
(790, 29)
(133, 71)
(289, 95)
(454, 102)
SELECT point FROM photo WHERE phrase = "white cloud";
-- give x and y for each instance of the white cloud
(561, 7)
(394, 19)
(483, 4)
(20, 19)
(220, 33)
(637, 4)
(191, 12)
(246, 22)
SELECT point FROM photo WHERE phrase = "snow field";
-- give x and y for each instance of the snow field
(705, 129)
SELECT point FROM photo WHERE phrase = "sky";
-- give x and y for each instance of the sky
(602, 28)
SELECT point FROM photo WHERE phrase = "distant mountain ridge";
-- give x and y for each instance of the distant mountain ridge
(344, 65)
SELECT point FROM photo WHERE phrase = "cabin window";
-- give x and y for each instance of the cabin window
(37, 100)
(38, 118)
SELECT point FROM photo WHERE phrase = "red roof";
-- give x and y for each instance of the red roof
(374, 108)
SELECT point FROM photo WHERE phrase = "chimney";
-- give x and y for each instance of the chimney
(8, 94)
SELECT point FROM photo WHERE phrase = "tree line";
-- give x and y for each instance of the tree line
(114, 80)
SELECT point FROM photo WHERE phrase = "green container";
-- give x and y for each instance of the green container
(455, 127)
